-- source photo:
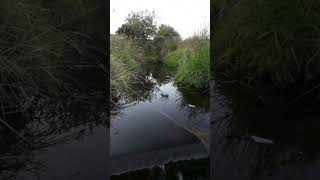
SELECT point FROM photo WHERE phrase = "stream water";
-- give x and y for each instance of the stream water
(164, 135)
(156, 134)
(238, 115)
(64, 142)
(162, 132)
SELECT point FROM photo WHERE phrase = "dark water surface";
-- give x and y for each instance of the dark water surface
(238, 114)
(153, 135)
(64, 142)
(83, 158)
(161, 131)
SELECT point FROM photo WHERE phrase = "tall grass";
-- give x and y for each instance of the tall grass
(174, 58)
(125, 58)
(49, 51)
(271, 42)
(36, 50)
(192, 60)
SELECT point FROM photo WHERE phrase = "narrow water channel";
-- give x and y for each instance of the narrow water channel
(162, 132)
(237, 116)
(168, 129)
(64, 142)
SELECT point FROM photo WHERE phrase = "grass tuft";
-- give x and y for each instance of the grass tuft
(268, 41)
(125, 59)
(192, 60)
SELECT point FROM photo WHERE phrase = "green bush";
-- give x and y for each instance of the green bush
(140, 26)
(166, 39)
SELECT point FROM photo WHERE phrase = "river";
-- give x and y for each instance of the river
(291, 150)
(168, 129)
(65, 139)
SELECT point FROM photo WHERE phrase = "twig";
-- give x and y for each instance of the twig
(204, 91)
(307, 92)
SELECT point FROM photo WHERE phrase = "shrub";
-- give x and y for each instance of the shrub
(140, 26)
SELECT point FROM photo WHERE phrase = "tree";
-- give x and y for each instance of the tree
(167, 32)
(139, 26)
(166, 38)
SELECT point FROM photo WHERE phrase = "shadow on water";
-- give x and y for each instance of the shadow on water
(238, 115)
(160, 130)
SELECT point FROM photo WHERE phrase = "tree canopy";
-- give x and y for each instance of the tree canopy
(167, 32)
(139, 26)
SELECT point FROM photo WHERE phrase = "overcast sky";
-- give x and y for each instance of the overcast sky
(186, 16)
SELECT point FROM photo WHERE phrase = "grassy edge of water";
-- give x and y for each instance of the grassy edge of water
(271, 47)
(123, 54)
(192, 61)
(49, 52)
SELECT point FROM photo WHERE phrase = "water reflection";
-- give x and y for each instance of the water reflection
(160, 128)
(52, 131)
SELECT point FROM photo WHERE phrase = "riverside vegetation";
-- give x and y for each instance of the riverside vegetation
(52, 56)
(141, 41)
(270, 48)
(266, 72)
(157, 80)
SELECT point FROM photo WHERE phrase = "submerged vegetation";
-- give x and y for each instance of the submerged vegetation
(269, 46)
